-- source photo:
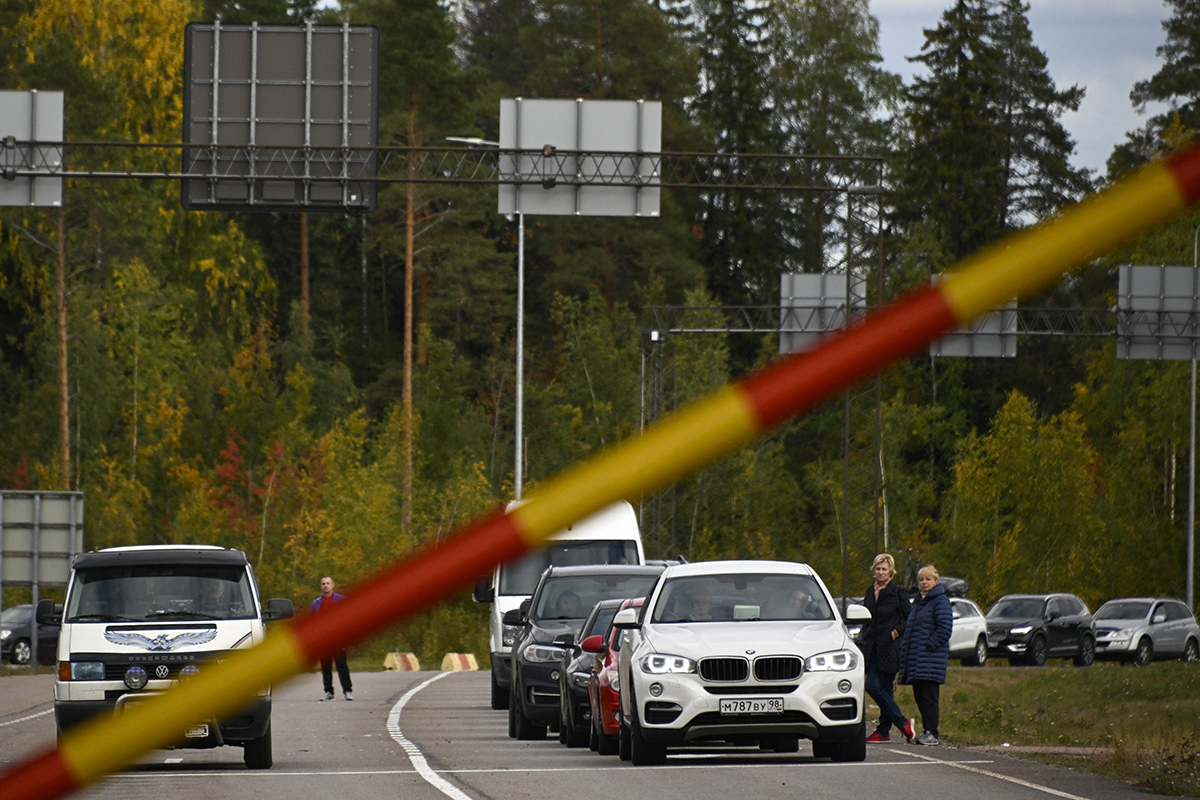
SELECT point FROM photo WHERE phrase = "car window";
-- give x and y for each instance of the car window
(1123, 609)
(742, 597)
(965, 609)
(571, 597)
(1016, 608)
(600, 622)
(16, 615)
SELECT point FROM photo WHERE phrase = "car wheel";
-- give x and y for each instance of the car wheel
(1037, 652)
(593, 736)
(512, 714)
(1087, 652)
(499, 696)
(607, 744)
(1191, 653)
(1145, 652)
(979, 657)
(787, 744)
(643, 753)
(20, 652)
(257, 752)
(573, 736)
(853, 749)
(624, 745)
(822, 749)
(526, 730)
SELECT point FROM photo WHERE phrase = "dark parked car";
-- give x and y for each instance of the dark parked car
(16, 637)
(1140, 629)
(574, 712)
(1029, 628)
(558, 607)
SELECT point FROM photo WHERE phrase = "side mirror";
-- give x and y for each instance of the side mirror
(278, 608)
(592, 644)
(48, 613)
(513, 617)
(566, 640)
(1159, 617)
(625, 619)
(482, 593)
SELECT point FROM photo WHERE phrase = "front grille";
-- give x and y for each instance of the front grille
(736, 690)
(994, 637)
(717, 718)
(724, 669)
(116, 672)
(777, 668)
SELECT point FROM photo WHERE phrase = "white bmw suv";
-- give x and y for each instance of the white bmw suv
(740, 651)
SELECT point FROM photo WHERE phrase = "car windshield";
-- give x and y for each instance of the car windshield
(1022, 608)
(521, 576)
(747, 597)
(572, 597)
(160, 591)
(600, 622)
(17, 615)
(1123, 609)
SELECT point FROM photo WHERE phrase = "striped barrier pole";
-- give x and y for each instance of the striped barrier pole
(1019, 265)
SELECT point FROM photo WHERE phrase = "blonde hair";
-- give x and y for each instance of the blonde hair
(884, 558)
(929, 570)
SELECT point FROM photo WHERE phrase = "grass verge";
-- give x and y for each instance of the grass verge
(1143, 722)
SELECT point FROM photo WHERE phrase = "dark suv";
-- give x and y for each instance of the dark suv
(549, 623)
(1029, 628)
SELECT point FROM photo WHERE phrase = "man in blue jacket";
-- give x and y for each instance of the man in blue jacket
(323, 603)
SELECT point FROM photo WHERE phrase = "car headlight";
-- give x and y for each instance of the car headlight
(508, 635)
(657, 664)
(136, 677)
(580, 679)
(541, 653)
(87, 670)
(1021, 631)
(614, 680)
(4, 634)
(836, 661)
(1124, 633)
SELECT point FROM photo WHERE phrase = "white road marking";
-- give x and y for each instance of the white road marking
(964, 766)
(26, 719)
(414, 754)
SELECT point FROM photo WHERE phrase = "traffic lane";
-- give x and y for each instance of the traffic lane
(339, 748)
(450, 722)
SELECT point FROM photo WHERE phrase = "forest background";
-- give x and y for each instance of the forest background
(215, 397)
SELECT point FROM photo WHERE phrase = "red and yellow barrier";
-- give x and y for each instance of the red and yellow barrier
(1015, 267)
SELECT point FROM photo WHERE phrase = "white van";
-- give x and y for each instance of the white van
(136, 619)
(610, 536)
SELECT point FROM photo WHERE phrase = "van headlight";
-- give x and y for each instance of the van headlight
(87, 670)
(835, 661)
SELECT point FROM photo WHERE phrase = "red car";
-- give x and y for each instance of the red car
(603, 688)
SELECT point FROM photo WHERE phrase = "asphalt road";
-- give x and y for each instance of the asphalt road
(432, 736)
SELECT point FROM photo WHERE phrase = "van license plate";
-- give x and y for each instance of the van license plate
(197, 732)
(752, 705)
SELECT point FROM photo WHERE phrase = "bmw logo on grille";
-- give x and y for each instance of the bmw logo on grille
(161, 671)
(749, 652)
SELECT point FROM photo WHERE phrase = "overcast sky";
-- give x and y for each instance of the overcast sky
(1104, 46)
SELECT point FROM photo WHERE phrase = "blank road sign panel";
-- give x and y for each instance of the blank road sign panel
(283, 117)
(33, 116)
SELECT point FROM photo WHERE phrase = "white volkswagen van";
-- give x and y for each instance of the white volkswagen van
(136, 619)
(610, 536)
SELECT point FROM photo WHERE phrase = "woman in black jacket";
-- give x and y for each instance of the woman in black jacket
(889, 606)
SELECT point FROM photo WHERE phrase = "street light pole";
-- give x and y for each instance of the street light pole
(1191, 512)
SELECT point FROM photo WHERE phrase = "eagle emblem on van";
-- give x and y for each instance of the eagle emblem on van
(162, 642)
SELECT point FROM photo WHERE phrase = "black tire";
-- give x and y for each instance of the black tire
(1191, 652)
(787, 744)
(21, 653)
(822, 748)
(979, 658)
(1087, 652)
(512, 714)
(853, 749)
(562, 734)
(624, 745)
(257, 752)
(573, 737)
(499, 696)
(593, 737)
(1036, 656)
(642, 753)
(1144, 653)
(525, 729)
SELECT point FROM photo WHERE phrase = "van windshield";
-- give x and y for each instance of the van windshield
(160, 591)
(521, 576)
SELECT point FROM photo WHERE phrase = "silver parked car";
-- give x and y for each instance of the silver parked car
(1140, 629)
(968, 638)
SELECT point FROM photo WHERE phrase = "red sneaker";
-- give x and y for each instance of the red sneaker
(877, 737)
(907, 730)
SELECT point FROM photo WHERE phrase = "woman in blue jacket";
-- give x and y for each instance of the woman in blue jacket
(925, 649)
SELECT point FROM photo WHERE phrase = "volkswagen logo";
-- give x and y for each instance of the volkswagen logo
(161, 671)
